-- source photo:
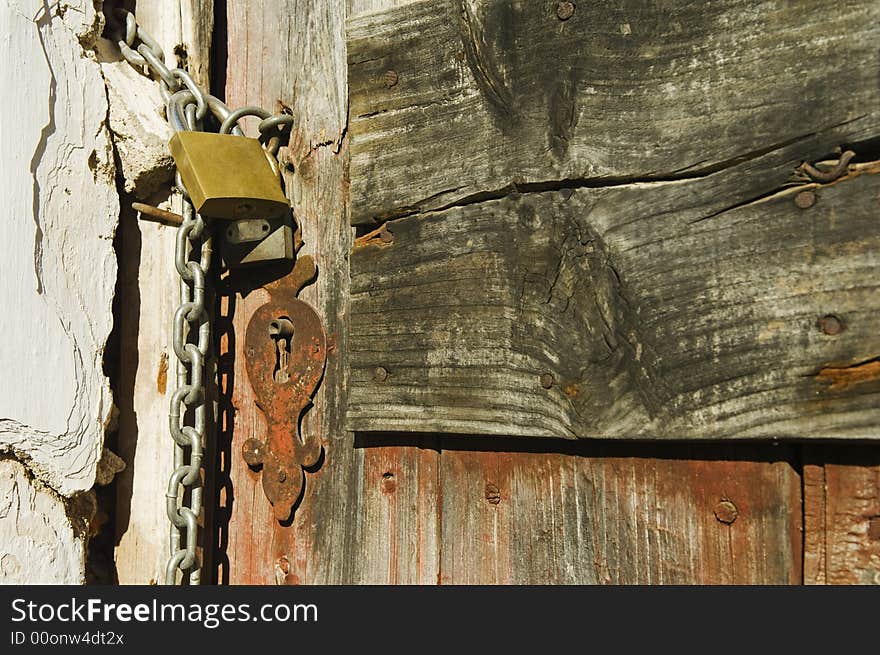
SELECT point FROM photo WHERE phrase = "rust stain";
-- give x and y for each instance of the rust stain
(874, 528)
(492, 493)
(573, 390)
(162, 375)
(845, 377)
(389, 483)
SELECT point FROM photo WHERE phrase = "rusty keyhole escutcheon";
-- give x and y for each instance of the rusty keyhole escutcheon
(286, 350)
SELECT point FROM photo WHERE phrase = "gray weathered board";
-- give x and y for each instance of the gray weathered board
(608, 202)
(491, 94)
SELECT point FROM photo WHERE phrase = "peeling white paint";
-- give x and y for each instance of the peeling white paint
(58, 269)
(38, 544)
(137, 121)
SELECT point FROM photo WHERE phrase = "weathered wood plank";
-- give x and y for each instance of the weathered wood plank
(149, 286)
(842, 515)
(665, 310)
(613, 514)
(358, 7)
(293, 54)
(459, 99)
(399, 527)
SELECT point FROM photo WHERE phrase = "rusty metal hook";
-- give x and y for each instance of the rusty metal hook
(825, 176)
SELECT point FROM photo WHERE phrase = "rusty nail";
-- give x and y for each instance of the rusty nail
(156, 215)
(546, 380)
(391, 78)
(386, 236)
(831, 174)
(380, 374)
(493, 494)
(726, 512)
(805, 199)
(830, 325)
(564, 10)
(282, 477)
(874, 528)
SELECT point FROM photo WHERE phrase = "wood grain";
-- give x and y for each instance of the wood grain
(399, 527)
(496, 94)
(671, 310)
(292, 54)
(185, 30)
(617, 514)
(358, 7)
(420, 508)
(148, 295)
(842, 515)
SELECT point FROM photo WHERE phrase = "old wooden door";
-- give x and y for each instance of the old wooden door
(593, 314)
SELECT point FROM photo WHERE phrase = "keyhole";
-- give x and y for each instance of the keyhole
(281, 332)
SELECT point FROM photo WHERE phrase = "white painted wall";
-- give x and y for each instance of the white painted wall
(58, 212)
(38, 544)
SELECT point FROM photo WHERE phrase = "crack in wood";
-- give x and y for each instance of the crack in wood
(522, 188)
(841, 378)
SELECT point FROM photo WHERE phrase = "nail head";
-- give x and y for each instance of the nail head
(726, 512)
(564, 10)
(805, 199)
(830, 325)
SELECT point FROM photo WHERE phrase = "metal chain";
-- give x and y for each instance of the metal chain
(191, 321)
(186, 107)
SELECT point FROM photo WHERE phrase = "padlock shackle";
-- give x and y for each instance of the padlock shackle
(231, 120)
(178, 102)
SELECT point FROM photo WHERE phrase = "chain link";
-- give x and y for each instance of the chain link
(186, 107)
(191, 323)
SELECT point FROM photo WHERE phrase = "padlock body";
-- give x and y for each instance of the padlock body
(227, 176)
(267, 241)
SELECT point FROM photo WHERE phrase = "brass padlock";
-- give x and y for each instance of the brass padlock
(227, 176)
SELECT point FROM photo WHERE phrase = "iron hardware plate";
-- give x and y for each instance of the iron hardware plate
(286, 350)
